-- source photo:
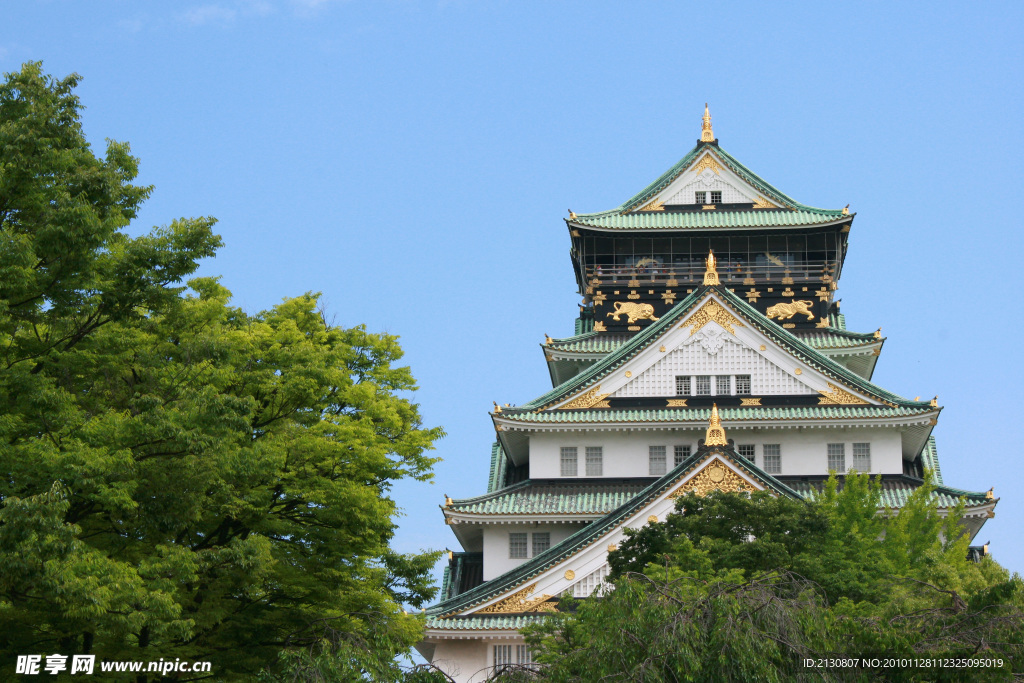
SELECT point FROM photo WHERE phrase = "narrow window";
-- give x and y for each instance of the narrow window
(722, 385)
(517, 546)
(524, 656)
(772, 458)
(656, 461)
(743, 385)
(502, 657)
(703, 385)
(746, 450)
(569, 461)
(862, 457)
(541, 542)
(682, 385)
(682, 453)
(595, 456)
(716, 196)
(837, 457)
(700, 197)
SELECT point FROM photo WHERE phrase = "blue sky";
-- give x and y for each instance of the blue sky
(413, 160)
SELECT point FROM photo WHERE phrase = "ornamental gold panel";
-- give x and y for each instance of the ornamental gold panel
(656, 205)
(750, 401)
(676, 403)
(707, 161)
(590, 399)
(519, 602)
(763, 203)
(838, 396)
(714, 476)
(569, 575)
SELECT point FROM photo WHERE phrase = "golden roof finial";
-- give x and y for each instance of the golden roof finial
(710, 274)
(705, 128)
(497, 408)
(934, 403)
(990, 494)
(447, 501)
(548, 339)
(846, 210)
(715, 435)
(572, 214)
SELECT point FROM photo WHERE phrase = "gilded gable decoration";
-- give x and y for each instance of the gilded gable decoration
(706, 162)
(715, 476)
(712, 310)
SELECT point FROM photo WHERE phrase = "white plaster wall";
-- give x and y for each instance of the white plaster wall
(496, 559)
(804, 450)
(463, 660)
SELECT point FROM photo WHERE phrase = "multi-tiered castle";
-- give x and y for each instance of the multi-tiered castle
(708, 298)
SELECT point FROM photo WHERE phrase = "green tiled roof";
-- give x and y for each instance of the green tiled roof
(702, 415)
(752, 316)
(496, 479)
(589, 342)
(793, 213)
(819, 338)
(595, 530)
(481, 622)
(930, 457)
(896, 491)
(552, 498)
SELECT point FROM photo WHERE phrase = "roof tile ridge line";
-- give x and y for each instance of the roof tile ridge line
(742, 169)
(595, 529)
(575, 338)
(484, 497)
(653, 187)
(934, 457)
(816, 356)
(611, 360)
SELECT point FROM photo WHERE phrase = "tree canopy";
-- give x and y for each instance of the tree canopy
(181, 478)
(735, 587)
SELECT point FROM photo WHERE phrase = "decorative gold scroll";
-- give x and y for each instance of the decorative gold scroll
(656, 205)
(712, 310)
(839, 396)
(590, 399)
(707, 161)
(750, 401)
(520, 601)
(763, 203)
(715, 476)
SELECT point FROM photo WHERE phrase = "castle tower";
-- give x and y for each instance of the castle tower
(708, 340)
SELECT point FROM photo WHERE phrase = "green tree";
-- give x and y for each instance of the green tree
(740, 588)
(182, 479)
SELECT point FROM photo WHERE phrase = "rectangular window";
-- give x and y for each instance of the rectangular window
(772, 458)
(723, 385)
(682, 385)
(716, 196)
(569, 461)
(524, 655)
(657, 461)
(703, 385)
(682, 453)
(517, 546)
(862, 457)
(746, 450)
(700, 197)
(541, 542)
(595, 457)
(743, 385)
(502, 657)
(837, 457)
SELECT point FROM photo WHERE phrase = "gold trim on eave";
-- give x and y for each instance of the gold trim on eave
(520, 601)
(589, 399)
(838, 396)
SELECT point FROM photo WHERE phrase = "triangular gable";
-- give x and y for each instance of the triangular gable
(532, 586)
(597, 383)
(708, 173)
(711, 339)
